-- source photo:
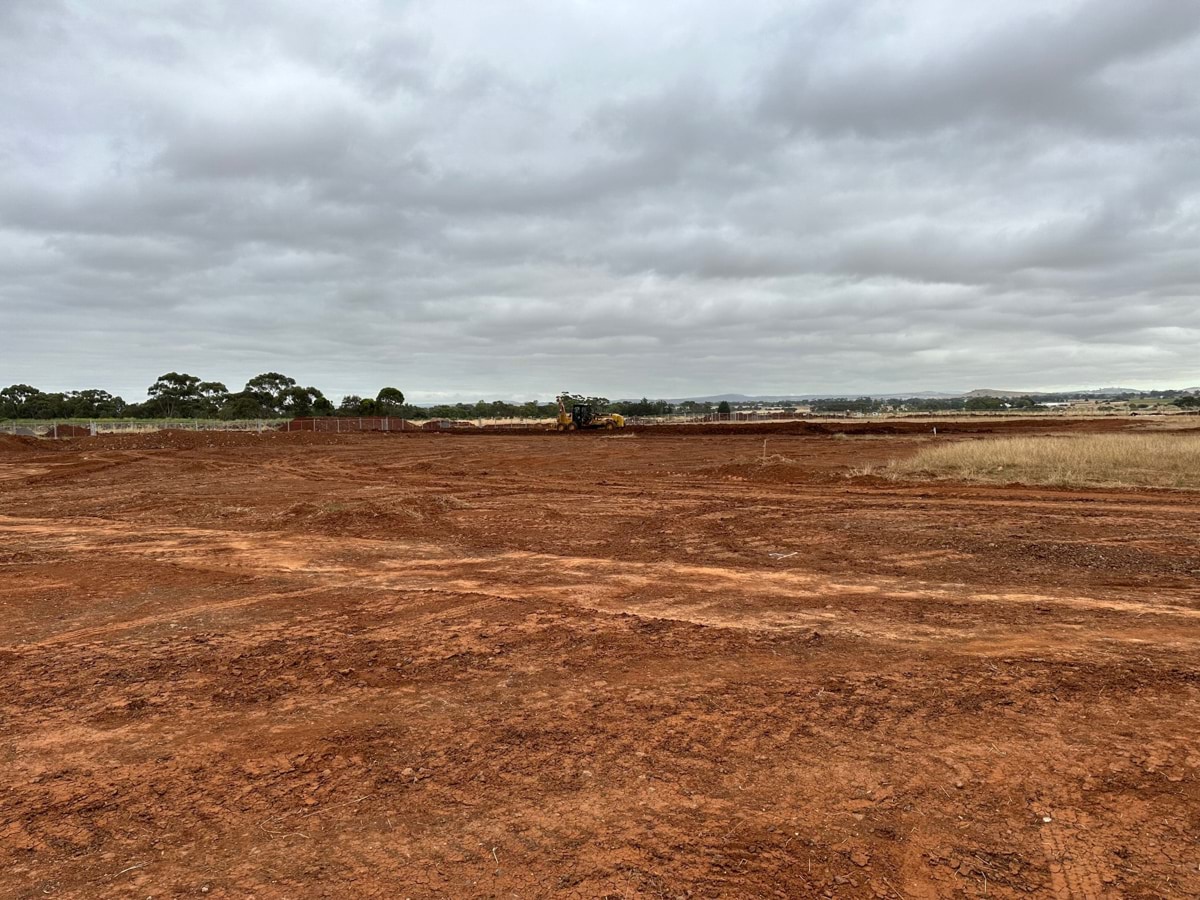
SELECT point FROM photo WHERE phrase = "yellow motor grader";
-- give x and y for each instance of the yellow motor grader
(583, 415)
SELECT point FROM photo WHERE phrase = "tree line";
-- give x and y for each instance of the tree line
(272, 395)
(177, 395)
(920, 404)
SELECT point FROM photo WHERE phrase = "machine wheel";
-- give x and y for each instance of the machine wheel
(611, 426)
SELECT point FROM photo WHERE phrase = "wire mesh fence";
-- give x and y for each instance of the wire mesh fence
(349, 424)
(352, 424)
(72, 428)
(68, 428)
(703, 418)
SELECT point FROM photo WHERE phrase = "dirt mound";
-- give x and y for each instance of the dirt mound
(423, 515)
(13, 443)
(178, 439)
(69, 431)
(892, 427)
(352, 516)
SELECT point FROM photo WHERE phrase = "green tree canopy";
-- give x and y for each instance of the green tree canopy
(175, 394)
(244, 405)
(643, 407)
(94, 403)
(302, 402)
(272, 388)
(14, 400)
(354, 405)
(213, 396)
(984, 403)
(599, 404)
(389, 400)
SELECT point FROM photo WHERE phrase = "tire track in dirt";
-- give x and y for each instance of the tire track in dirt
(1075, 870)
(99, 631)
(10, 471)
(714, 596)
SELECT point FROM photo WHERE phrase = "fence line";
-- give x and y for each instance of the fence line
(60, 428)
(355, 424)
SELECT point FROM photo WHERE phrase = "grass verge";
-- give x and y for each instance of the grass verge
(1102, 460)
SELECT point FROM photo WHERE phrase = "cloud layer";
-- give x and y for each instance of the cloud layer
(476, 199)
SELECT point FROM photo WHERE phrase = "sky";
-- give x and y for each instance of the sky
(468, 199)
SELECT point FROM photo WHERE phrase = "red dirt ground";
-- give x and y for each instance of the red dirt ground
(642, 665)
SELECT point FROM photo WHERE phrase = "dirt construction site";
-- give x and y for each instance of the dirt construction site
(680, 663)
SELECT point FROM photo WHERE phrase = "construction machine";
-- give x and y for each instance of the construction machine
(583, 415)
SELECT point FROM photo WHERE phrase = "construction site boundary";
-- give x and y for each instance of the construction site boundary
(360, 424)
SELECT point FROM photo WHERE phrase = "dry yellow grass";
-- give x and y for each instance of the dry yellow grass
(1103, 460)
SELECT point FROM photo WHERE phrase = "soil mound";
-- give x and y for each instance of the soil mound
(178, 439)
(418, 516)
(891, 427)
(13, 443)
(70, 431)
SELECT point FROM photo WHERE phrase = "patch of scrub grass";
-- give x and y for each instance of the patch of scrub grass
(1101, 460)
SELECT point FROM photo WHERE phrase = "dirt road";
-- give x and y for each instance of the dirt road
(586, 666)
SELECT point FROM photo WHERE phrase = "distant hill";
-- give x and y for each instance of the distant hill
(878, 395)
(992, 392)
(1091, 392)
(781, 398)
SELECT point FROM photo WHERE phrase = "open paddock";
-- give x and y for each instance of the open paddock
(650, 664)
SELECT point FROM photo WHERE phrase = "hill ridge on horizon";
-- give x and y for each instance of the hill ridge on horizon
(935, 395)
(833, 395)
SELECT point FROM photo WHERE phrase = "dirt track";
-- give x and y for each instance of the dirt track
(583, 666)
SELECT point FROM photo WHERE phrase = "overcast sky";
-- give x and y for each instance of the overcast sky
(482, 199)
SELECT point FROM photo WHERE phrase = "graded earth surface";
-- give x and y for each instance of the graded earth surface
(674, 664)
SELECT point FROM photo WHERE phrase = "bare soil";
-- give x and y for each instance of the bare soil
(641, 665)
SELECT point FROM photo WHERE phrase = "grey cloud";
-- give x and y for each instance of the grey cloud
(620, 198)
(1043, 67)
(272, 141)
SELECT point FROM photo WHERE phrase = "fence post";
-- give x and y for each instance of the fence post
(55, 427)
